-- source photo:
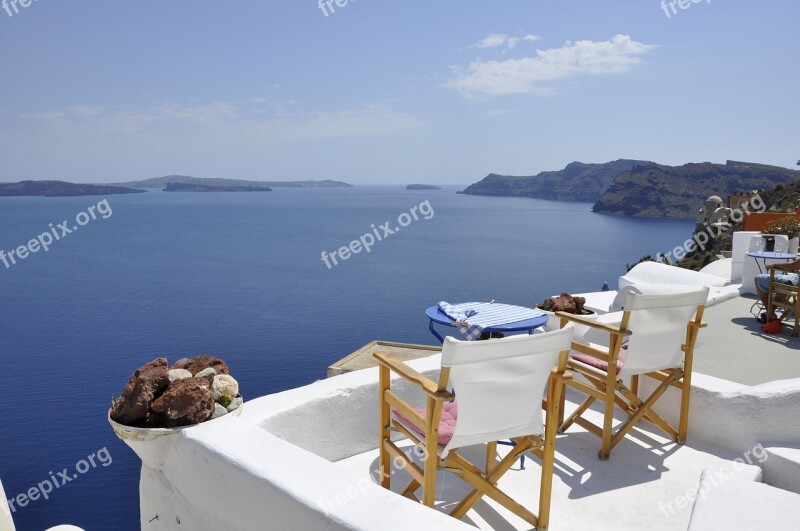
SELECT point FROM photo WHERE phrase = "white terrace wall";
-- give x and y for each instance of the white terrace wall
(234, 474)
(338, 417)
(734, 416)
(272, 466)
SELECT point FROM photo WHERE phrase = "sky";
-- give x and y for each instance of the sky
(378, 92)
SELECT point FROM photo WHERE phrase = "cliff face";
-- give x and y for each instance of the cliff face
(654, 190)
(576, 182)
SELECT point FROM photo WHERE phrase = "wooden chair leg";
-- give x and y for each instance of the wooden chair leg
(431, 456)
(385, 433)
(491, 455)
(554, 414)
(576, 414)
(686, 392)
(608, 418)
(635, 384)
(484, 485)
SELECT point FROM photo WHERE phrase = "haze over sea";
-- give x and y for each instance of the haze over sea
(240, 276)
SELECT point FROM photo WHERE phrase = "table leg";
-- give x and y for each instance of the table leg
(434, 332)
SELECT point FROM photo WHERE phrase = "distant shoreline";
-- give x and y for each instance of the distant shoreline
(60, 189)
(185, 187)
(161, 182)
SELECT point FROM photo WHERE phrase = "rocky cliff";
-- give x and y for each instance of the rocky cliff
(655, 190)
(576, 182)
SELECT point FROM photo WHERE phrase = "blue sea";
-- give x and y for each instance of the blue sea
(241, 276)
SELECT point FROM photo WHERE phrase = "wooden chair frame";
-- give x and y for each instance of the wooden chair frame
(612, 391)
(784, 297)
(483, 482)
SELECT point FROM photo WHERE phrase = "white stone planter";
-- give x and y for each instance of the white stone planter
(152, 444)
(554, 323)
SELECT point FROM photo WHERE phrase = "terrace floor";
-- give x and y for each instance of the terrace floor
(646, 484)
(734, 348)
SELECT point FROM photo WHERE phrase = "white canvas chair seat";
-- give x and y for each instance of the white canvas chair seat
(500, 385)
(658, 333)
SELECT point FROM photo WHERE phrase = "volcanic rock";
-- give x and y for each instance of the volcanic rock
(203, 361)
(146, 384)
(565, 303)
(185, 402)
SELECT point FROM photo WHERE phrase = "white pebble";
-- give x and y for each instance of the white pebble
(178, 374)
(224, 385)
(233, 406)
(208, 372)
(219, 411)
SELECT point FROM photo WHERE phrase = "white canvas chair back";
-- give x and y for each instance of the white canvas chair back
(658, 323)
(499, 384)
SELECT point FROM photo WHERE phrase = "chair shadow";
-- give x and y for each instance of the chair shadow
(751, 325)
(637, 459)
(450, 490)
(754, 327)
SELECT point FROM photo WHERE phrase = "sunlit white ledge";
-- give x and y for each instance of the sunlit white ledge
(304, 459)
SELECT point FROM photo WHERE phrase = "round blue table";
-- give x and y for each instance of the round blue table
(436, 316)
(764, 255)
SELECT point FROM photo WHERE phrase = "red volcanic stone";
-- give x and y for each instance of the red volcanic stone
(565, 303)
(185, 402)
(203, 361)
(146, 384)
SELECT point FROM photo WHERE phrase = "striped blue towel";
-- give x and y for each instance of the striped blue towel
(472, 318)
(471, 332)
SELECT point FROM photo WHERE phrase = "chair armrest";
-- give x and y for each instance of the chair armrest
(778, 267)
(407, 373)
(594, 324)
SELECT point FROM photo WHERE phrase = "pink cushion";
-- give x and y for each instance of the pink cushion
(600, 364)
(446, 424)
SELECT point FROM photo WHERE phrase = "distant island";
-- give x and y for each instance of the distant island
(60, 189)
(162, 182)
(186, 187)
(638, 188)
(422, 187)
